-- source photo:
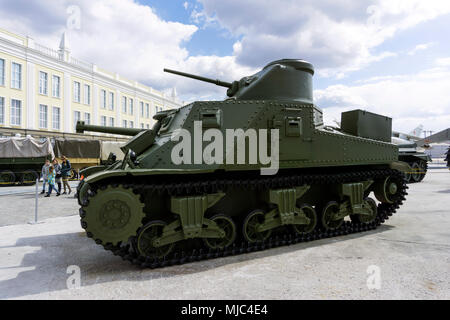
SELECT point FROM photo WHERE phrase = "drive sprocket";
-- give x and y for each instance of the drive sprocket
(113, 215)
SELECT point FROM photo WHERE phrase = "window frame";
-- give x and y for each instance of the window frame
(43, 121)
(43, 83)
(14, 114)
(87, 95)
(76, 97)
(2, 110)
(13, 80)
(53, 118)
(58, 95)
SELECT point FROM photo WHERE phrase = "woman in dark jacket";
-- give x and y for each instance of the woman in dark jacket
(66, 169)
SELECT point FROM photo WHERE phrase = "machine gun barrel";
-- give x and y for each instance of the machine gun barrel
(193, 76)
(81, 127)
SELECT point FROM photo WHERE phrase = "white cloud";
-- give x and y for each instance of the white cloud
(337, 36)
(185, 5)
(409, 99)
(420, 47)
(125, 37)
(443, 62)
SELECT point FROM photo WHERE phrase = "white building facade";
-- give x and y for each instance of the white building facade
(49, 90)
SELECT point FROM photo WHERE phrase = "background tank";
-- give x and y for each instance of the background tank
(284, 177)
(21, 159)
(417, 160)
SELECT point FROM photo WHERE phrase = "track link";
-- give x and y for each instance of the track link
(287, 237)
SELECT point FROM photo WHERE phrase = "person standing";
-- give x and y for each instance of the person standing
(44, 173)
(51, 181)
(57, 168)
(66, 169)
(447, 158)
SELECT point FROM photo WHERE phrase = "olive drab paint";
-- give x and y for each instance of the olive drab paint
(243, 168)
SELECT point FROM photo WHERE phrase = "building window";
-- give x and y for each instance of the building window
(16, 75)
(111, 101)
(124, 104)
(87, 118)
(87, 94)
(56, 118)
(141, 107)
(2, 72)
(56, 86)
(131, 107)
(43, 79)
(124, 123)
(156, 109)
(147, 126)
(76, 118)
(76, 92)
(147, 110)
(142, 126)
(111, 122)
(131, 124)
(43, 116)
(103, 99)
(2, 110)
(103, 121)
(16, 112)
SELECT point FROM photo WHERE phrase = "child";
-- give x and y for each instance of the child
(51, 181)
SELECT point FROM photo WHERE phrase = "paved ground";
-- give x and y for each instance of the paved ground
(411, 252)
(18, 204)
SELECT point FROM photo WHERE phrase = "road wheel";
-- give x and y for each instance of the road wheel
(416, 172)
(29, 177)
(250, 226)
(328, 211)
(311, 215)
(7, 178)
(226, 224)
(370, 204)
(147, 234)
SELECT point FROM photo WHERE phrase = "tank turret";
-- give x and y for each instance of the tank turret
(286, 79)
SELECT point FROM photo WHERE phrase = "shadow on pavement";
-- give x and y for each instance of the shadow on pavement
(55, 253)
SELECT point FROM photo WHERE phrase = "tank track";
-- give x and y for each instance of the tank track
(178, 257)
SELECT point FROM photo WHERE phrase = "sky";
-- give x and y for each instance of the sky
(390, 57)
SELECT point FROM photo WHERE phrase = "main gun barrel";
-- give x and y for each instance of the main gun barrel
(193, 76)
(81, 127)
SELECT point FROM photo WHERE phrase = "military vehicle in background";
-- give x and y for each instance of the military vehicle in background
(417, 160)
(21, 159)
(155, 211)
(84, 154)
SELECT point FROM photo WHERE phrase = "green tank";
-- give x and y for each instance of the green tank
(417, 160)
(254, 171)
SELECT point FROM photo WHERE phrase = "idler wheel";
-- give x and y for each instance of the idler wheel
(147, 235)
(226, 224)
(388, 190)
(113, 215)
(310, 213)
(328, 212)
(250, 227)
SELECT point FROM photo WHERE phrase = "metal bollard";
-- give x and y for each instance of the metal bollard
(36, 202)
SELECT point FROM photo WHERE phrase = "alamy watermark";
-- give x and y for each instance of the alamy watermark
(74, 280)
(374, 278)
(235, 139)
(74, 19)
